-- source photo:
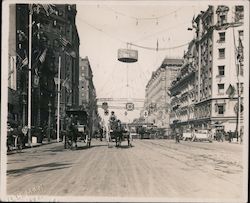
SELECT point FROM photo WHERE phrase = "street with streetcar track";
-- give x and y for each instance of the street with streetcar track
(151, 168)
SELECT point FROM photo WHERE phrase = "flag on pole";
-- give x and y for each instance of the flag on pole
(48, 8)
(25, 62)
(67, 47)
(70, 52)
(193, 22)
(240, 51)
(66, 84)
(64, 41)
(43, 55)
(230, 91)
(157, 45)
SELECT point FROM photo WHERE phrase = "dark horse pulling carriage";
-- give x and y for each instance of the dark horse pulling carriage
(80, 127)
(119, 133)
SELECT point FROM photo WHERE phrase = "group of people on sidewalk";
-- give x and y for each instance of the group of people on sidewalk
(219, 136)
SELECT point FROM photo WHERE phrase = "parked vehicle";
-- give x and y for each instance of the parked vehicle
(81, 128)
(15, 138)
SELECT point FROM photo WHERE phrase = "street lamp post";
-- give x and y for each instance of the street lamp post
(29, 81)
(58, 98)
(24, 104)
(49, 120)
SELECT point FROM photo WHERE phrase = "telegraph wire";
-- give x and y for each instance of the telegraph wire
(142, 18)
(159, 49)
(133, 44)
(161, 31)
(100, 30)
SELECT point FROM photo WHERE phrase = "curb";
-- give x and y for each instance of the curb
(30, 147)
(39, 144)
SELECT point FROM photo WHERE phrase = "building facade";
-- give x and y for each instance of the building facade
(157, 99)
(87, 94)
(216, 69)
(54, 34)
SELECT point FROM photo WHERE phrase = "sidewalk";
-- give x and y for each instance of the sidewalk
(33, 145)
(45, 142)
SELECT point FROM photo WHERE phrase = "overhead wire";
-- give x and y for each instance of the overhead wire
(159, 49)
(161, 31)
(132, 44)
(142, 18)
(107, 81)
(100, 30)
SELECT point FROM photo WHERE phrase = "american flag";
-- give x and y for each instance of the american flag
(64, 41)
(230, 91)
(25, 62)
(66, 84)
(43, 55)
(70, 52)
(49, 8)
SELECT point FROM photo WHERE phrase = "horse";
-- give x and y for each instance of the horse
(114, 132)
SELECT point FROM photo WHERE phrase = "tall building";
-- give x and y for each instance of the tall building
(157, 99)
(216, 69)
(183, 91)
(13, 99)
(87, 93)
(54, 34)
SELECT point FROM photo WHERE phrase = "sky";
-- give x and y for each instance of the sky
(104, 28)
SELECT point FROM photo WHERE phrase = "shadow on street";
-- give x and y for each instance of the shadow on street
(32, 169)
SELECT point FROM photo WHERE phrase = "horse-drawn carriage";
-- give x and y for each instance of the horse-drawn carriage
(78, 118)
(118, 133)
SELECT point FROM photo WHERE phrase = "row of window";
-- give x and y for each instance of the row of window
(221, 88)
(222, 36)
(221, 70)
(239, 15)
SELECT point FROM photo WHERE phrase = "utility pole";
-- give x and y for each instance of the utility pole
(29, 80)
(237, 64)
(199, 59)
(58, 98)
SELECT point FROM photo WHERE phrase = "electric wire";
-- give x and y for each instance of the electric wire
(142, 18)
(132, 44)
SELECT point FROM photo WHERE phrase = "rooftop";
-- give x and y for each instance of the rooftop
(171, 62)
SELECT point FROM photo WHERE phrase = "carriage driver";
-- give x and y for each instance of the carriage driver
(112, 117)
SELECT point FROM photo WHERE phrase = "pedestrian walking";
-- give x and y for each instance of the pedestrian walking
(177, 135)
(230, 136)
(101, 133)
(68, 135)
(210, 136)
(241, 136)
(74, 135)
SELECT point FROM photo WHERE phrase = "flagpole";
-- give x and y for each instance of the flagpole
(29, 81)
(58, 98)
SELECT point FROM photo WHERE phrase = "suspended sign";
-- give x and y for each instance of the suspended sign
(36, 81)
(127, 55)
(105, 105)
(106, 112)
(236, 107)
(130, 106)
(145, 114)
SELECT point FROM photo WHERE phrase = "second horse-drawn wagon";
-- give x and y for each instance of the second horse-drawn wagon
(118, 132)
